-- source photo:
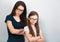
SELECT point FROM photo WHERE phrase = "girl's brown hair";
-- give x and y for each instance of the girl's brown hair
(32, 13)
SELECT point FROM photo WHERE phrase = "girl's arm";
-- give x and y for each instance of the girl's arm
(13, 30)
(30, 37)
(41, 39)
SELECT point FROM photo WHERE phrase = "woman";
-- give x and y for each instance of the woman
(16, 22)
(32, 31)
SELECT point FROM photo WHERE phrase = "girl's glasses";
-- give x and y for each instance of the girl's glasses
(32, 19)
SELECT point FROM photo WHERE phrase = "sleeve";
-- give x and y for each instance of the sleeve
(26, 29)
(40, 31)
(8, 18)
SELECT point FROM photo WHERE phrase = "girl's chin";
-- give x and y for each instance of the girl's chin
(33, 23)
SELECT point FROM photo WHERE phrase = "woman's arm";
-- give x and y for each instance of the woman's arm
(13, 30)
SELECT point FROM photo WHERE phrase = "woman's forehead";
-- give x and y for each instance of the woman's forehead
(21, 7)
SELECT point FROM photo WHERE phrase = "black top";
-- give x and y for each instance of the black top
(17, 25)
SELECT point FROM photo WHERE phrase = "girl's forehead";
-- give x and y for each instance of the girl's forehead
(34, 16)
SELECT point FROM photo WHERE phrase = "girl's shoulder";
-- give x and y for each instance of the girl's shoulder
(26, 28)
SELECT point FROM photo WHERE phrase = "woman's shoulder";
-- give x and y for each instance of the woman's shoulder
(8, 16)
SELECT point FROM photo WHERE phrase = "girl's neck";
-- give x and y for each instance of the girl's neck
(33, 26)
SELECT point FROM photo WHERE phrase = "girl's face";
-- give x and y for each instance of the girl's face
(19, 10)
(33, 19)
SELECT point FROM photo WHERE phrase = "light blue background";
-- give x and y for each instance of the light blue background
(49, 17)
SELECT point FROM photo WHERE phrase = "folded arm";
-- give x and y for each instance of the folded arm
(13, 30)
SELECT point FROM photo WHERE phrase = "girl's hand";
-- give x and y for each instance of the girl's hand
(40, 39)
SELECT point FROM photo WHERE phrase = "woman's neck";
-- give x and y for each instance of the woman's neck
(17, 16)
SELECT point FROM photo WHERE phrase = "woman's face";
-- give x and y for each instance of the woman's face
(33, 19)
(19, 10)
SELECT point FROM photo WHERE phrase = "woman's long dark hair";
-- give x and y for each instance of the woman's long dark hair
(36, 25)
(23, 15)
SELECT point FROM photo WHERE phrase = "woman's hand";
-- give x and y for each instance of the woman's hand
(21, 32)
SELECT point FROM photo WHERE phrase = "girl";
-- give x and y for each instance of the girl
(32, 31)
(16, 22)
